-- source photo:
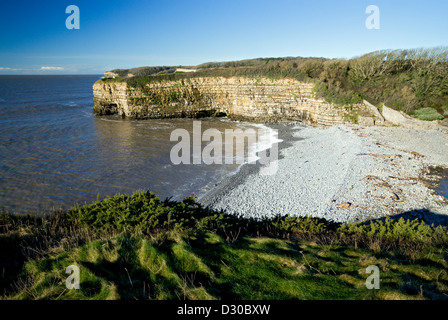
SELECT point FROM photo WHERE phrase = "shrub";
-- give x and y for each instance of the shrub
(301, 225)
(402, 229)
(143, 211)
(428, 114)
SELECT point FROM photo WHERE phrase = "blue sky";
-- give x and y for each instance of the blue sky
(125, 34)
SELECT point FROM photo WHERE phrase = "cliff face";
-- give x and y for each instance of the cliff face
(259, 99)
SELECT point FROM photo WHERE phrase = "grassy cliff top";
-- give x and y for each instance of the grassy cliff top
(405, 80)
(139, 247)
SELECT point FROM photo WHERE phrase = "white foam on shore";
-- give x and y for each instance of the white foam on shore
(266, 138)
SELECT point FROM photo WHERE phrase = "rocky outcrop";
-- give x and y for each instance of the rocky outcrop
(259, 99)
(378, 118)
(110, 74)
(401, 119)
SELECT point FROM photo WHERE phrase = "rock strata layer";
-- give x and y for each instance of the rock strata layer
(259, 99)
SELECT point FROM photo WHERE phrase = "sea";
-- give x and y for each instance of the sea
(55, 153)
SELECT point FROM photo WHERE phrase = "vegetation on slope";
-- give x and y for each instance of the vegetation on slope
(406, 80)
(144, 71)
(139, 247)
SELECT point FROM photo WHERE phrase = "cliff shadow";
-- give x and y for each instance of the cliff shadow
(427, 216)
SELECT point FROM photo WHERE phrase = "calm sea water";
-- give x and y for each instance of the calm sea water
(54, 152)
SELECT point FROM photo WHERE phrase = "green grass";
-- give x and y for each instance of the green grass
(428, 114)
(139, 247)
(208, 267)
(110, 80)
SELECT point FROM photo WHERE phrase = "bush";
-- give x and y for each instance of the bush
(143, 211)
(428, 114)
(302, 225)
(398, 230)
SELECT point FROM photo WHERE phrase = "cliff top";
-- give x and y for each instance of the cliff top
(413, 81)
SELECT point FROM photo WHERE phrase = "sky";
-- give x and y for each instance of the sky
(113, 34)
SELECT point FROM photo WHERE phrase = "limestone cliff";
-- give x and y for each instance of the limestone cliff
(259, 99)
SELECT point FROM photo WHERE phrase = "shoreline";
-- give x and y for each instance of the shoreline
(237, 178)
(341, 173)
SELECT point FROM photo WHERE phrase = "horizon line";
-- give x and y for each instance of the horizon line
(53, 74)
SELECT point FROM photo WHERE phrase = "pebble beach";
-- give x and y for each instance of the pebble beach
(342, 174)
